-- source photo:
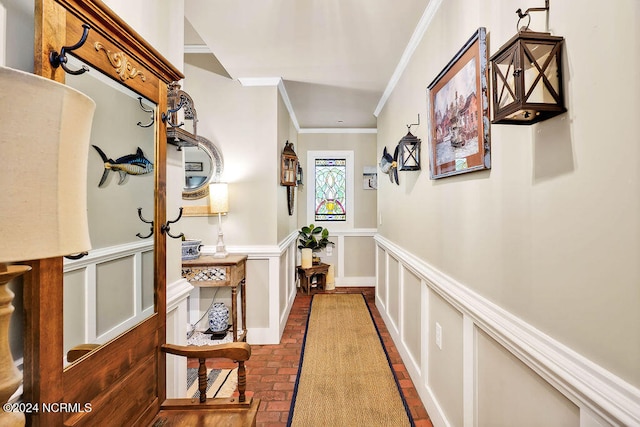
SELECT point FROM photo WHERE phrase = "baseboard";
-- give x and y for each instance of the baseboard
(364, 282)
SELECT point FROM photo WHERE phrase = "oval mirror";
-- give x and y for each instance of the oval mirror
(202, 164)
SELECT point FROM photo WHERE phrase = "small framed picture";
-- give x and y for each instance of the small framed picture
(193, 166)
(370, 178)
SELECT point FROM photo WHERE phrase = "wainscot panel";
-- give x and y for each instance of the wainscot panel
(495, 354)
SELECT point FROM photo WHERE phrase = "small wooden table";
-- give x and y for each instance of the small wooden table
(305, 274)
(210, 272)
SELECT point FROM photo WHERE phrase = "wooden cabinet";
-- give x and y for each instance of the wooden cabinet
(210, 272)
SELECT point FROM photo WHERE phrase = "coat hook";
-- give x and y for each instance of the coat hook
(60, 60)
(166, 227)
(142, 107)
(146, 222)
(79, 255)
(166, 117)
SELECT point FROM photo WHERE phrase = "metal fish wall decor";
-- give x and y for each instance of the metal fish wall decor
(131, 164)
(389, 165)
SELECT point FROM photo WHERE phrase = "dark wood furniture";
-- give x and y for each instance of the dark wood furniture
(209, 272)
(306, 275)
(124, 380)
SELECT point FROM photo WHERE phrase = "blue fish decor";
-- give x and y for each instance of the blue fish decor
(131, 164)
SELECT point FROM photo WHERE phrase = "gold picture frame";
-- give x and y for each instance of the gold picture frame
(459, 125)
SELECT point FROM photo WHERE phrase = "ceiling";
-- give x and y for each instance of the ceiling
(335, 57)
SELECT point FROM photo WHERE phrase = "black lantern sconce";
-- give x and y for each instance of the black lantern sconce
(409, 147)
(527, 76)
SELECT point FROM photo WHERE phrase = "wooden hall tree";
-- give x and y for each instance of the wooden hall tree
(124, 380)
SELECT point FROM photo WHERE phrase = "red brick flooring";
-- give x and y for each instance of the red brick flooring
(272, 369)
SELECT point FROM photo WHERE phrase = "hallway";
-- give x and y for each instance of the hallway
(272, 369)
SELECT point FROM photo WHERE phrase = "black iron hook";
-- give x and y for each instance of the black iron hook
(166, 228)
(524, 14)
(166, 116)
(146, 222)
(142, 107)
(60, 60)
(413, 124)
(77, 256)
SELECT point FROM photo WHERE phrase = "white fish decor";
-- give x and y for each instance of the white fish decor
(131, 164)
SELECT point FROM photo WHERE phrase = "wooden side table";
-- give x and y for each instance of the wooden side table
(210, 272)
(305, 274)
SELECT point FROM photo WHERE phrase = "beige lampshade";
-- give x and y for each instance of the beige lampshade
(44, 145)
(218, 197)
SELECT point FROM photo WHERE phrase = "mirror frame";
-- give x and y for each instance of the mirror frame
(217, 164)
(103, 373)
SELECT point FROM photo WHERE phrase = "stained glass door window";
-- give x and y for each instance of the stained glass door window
(330, 190)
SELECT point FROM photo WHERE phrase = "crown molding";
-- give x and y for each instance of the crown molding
(338, 130)
(196, 48)
(414, 41)
(273, 81)
(260, 81)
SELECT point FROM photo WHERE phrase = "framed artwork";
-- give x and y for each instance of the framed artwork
(458, 101)
(193, 166)
(370, 178)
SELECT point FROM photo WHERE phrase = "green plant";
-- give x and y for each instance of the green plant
(314, 238)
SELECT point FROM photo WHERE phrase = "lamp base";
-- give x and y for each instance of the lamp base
(221, 250)
(10, 376)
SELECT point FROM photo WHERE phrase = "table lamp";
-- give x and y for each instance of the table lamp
(44, 144)
(219, 204)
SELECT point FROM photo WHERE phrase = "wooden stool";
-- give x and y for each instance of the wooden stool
(305, 274)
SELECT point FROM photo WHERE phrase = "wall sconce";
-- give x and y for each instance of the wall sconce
(409, 150)
(219, 204)
(289, 173)
(177, 100)
(527, 76)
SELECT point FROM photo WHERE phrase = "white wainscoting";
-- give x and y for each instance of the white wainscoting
(602, 398)
(341, 239)
(177, 294)
(279, 293)
(86, 268)
(280, 273)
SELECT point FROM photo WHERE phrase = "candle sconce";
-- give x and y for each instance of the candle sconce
(527, 76)
(409, 155)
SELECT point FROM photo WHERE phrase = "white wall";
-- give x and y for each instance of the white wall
(549, 235)
(353, 254)
(249, 124)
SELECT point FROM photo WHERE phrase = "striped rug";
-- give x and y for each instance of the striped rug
(220, 382)
(345, 376)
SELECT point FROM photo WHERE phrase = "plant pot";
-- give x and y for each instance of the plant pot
(191, 249)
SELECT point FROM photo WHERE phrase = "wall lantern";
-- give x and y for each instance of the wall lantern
(289, 173)
(409, 150)
(527, 76)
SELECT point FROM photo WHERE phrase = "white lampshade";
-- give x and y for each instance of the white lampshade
(44, 146)
(218, 197)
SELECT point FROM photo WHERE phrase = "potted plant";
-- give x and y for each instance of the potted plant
(313, 239)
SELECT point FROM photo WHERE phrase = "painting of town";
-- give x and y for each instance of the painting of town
(458, 116)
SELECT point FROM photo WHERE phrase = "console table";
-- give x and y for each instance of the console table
(305, 274)
(210, 272)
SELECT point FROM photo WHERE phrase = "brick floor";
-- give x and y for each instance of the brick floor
(272, 369)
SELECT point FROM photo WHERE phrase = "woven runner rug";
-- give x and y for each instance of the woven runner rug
(345, 376)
